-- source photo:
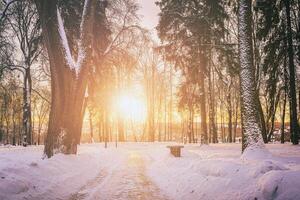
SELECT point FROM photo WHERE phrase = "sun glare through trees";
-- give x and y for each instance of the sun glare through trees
(131, 107)
(149, 99)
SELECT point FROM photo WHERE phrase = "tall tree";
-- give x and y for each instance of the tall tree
(249, 97)
(292, 81)
(69, 77)
(25, 25)
(188, 30)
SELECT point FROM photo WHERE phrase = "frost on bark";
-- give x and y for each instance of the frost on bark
(249, 97)
(69, 77)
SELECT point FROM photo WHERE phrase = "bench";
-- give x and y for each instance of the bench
(175, 150)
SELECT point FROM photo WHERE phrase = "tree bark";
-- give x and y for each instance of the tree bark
(171, 105)
(249, 97)
(263, 122)
(282, 139)
(204, 136)
(27, 124)
(121, 130)
(190, 122)
(273, 113)
(91, 125)
(292, 84)
(212, 113)
(67, 87)
(120, 118)
(229, 117)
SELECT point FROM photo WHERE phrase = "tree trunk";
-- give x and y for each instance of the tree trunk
(1, 125)
(193, 130)
(171, 105)
(119, 117)
(159, 118)
(165, 106)
(229, 117)
(14, 131)
(7, 130)
(249, 97)
(282, 139)
(204, 136)
(150, 105)
(91, 125)
(190, 121)
(20, 129)
(263, 122)
(212, 124)
(27, 125)
(236, 117)
(121, 130)
(292, 84)
(100, 128)
(222, 126)
(67, 87)
(274, 109)
(39, 133)
(106, 128)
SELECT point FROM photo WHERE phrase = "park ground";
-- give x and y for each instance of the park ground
(148, 171)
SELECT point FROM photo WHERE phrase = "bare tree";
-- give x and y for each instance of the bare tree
(25, 27)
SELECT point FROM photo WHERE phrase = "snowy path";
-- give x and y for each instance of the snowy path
(147, 171)
(127, 181)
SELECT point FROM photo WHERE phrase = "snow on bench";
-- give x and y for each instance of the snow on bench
(175, 150)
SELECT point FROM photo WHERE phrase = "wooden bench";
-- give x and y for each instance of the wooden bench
(175, 150)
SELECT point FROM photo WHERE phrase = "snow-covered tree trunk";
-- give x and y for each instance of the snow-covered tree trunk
(68, 77)
(249, 97)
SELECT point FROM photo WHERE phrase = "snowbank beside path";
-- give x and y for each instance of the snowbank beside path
(25, 175)
(219, 172)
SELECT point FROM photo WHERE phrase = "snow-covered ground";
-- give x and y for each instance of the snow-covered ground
(148, 171)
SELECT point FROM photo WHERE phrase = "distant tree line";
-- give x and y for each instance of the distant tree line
(229, 68)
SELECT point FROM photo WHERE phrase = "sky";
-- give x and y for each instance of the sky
(149, 14)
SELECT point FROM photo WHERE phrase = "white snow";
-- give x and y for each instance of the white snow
(148, 171)
(64, 41)
(72, 63)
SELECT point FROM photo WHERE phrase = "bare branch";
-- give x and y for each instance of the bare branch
(7, 5)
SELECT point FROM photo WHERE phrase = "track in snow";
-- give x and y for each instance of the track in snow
(128, 181)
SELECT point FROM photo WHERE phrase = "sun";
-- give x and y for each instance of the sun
(130, 107)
